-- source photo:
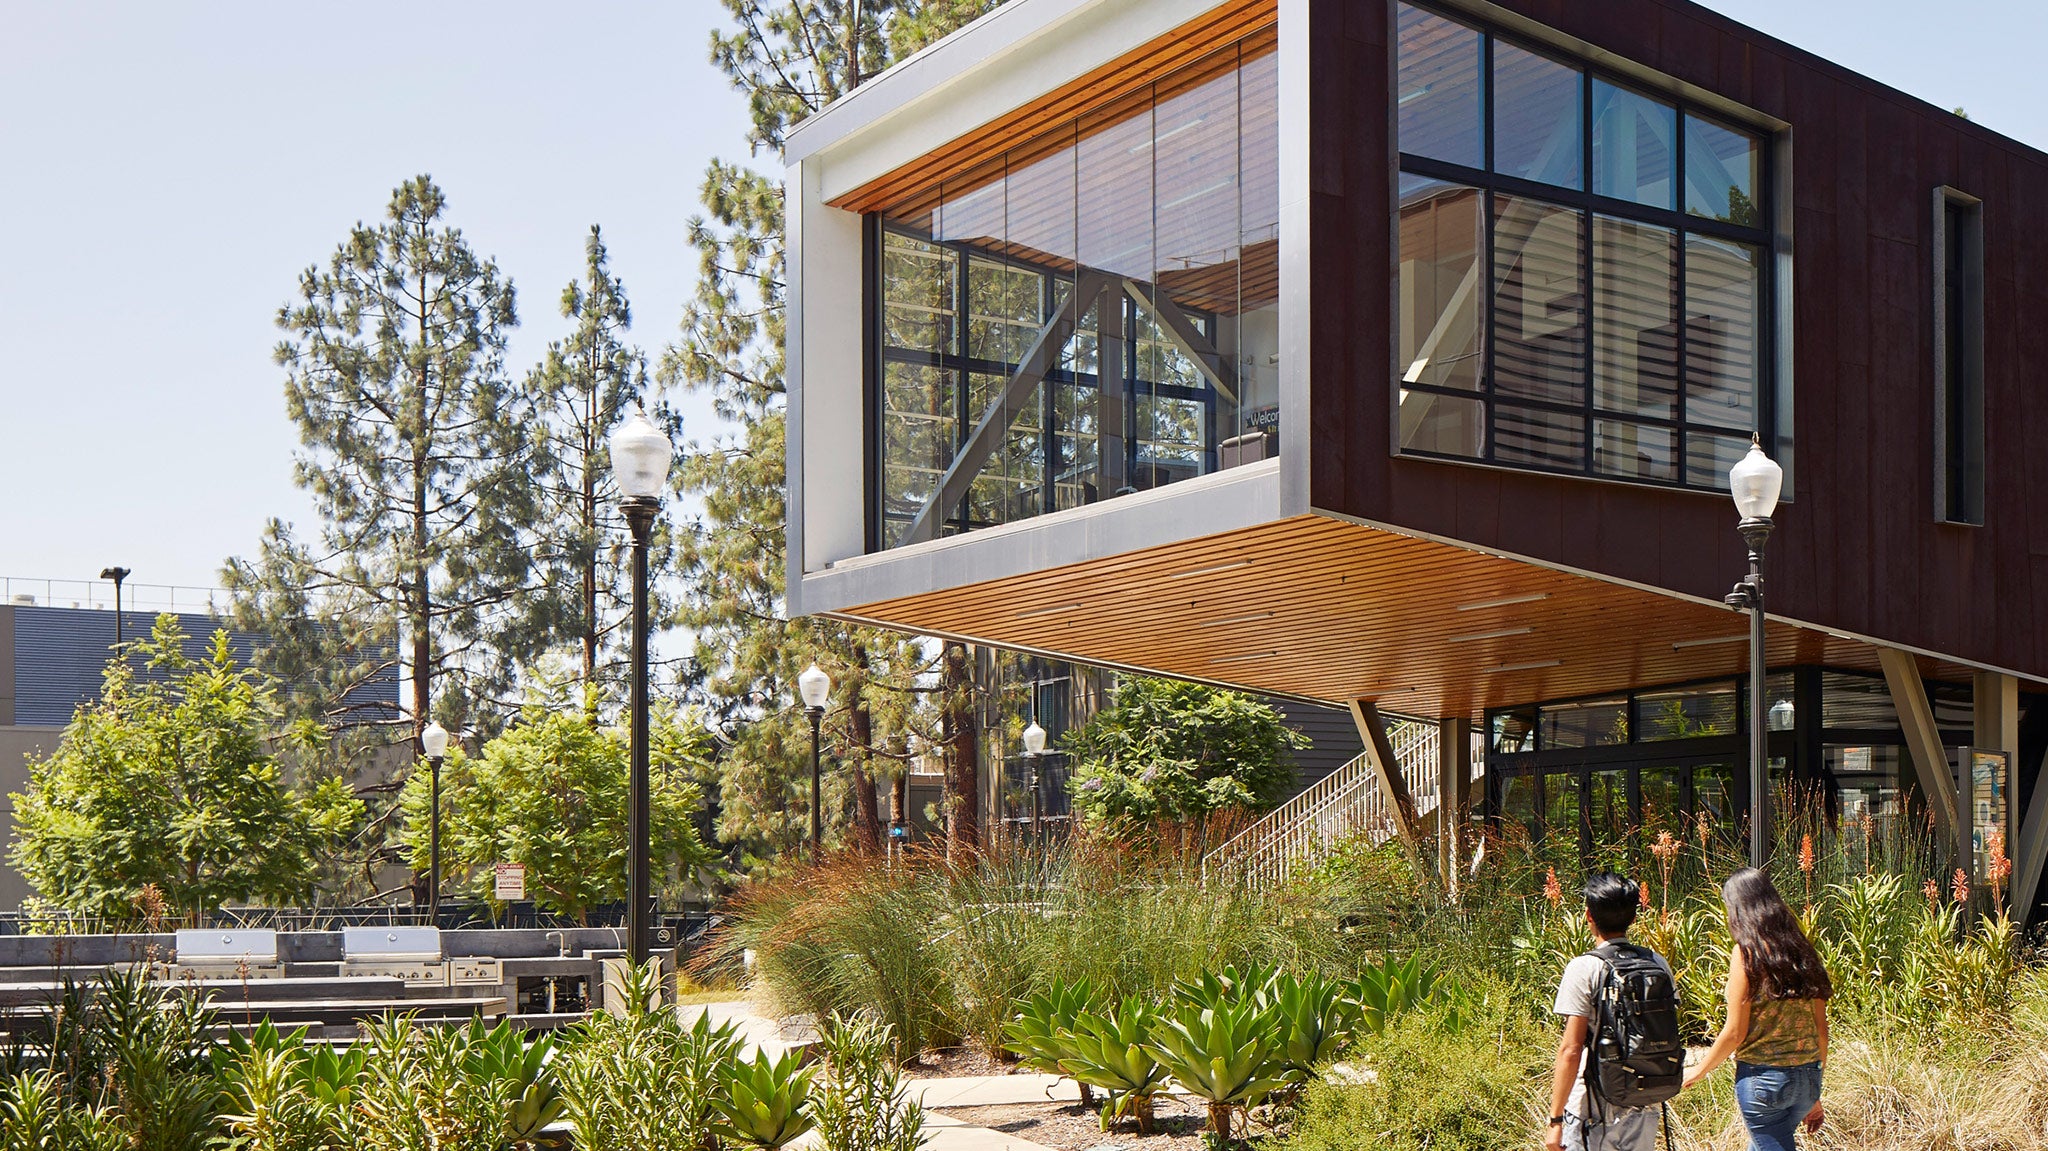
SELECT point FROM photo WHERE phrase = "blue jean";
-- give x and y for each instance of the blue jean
(1773, 1101)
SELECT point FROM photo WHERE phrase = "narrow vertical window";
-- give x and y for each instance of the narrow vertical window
(1958, 357)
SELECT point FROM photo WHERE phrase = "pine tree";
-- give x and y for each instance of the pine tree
(583, 387)
(790, 60)
(416, 451)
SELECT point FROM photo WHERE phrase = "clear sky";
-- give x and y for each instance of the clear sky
(168, 168)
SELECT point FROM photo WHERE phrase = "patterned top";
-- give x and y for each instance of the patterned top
(1782, 1033)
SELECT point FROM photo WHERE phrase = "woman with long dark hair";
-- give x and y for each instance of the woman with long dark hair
(1777, 1026)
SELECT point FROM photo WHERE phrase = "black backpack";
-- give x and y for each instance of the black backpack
(1635, 1057)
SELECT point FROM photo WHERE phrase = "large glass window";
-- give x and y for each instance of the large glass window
(1583, 268)
(1092, 313)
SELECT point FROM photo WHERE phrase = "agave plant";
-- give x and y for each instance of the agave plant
(766, 1102)
(534, 1098)
(1228, 1054)
(1040, 1033)
(1109, 1051)
(1394, 986)
(1314, 1019)
(1253, 984)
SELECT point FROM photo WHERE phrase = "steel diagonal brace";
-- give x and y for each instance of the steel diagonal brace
(1180, 331)
(995, 422)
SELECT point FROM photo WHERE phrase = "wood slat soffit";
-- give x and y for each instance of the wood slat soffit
(1334, 611)
(1100, 89)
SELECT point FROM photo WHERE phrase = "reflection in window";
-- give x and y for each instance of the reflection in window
(1091, 313)
(1536, 129)
(1615, 327)
(1442, 234)
(1722, 284)
(1635, 318)
(1855, 701)
(1686, 713)
(1717, 800)
(1518, 803)
(1585, 723)
(1634, 146)
(1514, 731)
(1438, 89)
(1722, 169)
(1663, 792)
(1561, 806)
(1610, 814)
(1539, 300)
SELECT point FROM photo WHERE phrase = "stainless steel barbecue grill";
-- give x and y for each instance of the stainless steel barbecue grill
(235, 953)
(411, 954)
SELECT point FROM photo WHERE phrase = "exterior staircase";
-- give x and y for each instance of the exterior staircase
(1344, 804)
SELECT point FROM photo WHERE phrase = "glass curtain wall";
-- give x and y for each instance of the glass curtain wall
(1675, 759)
(1583, 267)
(1092, 313)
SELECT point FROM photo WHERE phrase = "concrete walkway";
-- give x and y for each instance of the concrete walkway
(944, 1133)
(757, 1031)
(993, 1090)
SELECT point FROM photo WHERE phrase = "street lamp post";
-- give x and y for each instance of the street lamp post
(640, 458)
(815, 687)
(117, 574)
(1034, 750)
(1755, 481)
(434, 742)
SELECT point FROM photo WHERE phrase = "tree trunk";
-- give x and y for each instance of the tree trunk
(899, 801)
(1141, 1110)
(867, 820)
(1219, 1119)
(589, 541)
(963, 813)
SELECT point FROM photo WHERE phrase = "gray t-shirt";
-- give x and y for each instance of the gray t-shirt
(1575, 997)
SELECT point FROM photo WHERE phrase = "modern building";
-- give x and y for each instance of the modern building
(1393, 356)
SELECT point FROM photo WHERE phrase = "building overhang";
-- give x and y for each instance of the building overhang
(1325, 609)
(1165, 517)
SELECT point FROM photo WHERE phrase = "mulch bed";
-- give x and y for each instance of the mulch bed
(954, 1062)
(1179, 1125)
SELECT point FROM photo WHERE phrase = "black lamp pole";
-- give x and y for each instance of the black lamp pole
(640, 512)
(1749, 595)
(817, 715)
(117, 574)
(1037, 810)
(434, 846)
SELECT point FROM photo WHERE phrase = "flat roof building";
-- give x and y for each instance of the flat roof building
(1392, 354)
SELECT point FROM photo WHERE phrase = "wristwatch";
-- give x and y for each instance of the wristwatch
(1557, 1120)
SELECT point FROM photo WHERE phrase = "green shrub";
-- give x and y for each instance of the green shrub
(643, 1081)
(1421, 1085)
(864, 1105)
(418, 1092)
(944, 952)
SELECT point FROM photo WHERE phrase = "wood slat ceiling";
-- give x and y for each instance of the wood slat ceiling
(1333, 611)
(1117, 80)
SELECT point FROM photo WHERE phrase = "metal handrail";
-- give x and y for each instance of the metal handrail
(1340, 804)
(99, 594)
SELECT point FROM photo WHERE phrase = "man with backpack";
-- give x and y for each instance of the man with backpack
(1620, 1057)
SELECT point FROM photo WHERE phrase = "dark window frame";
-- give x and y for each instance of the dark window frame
(1588, 204)
(1801, 747)
(961, 367)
